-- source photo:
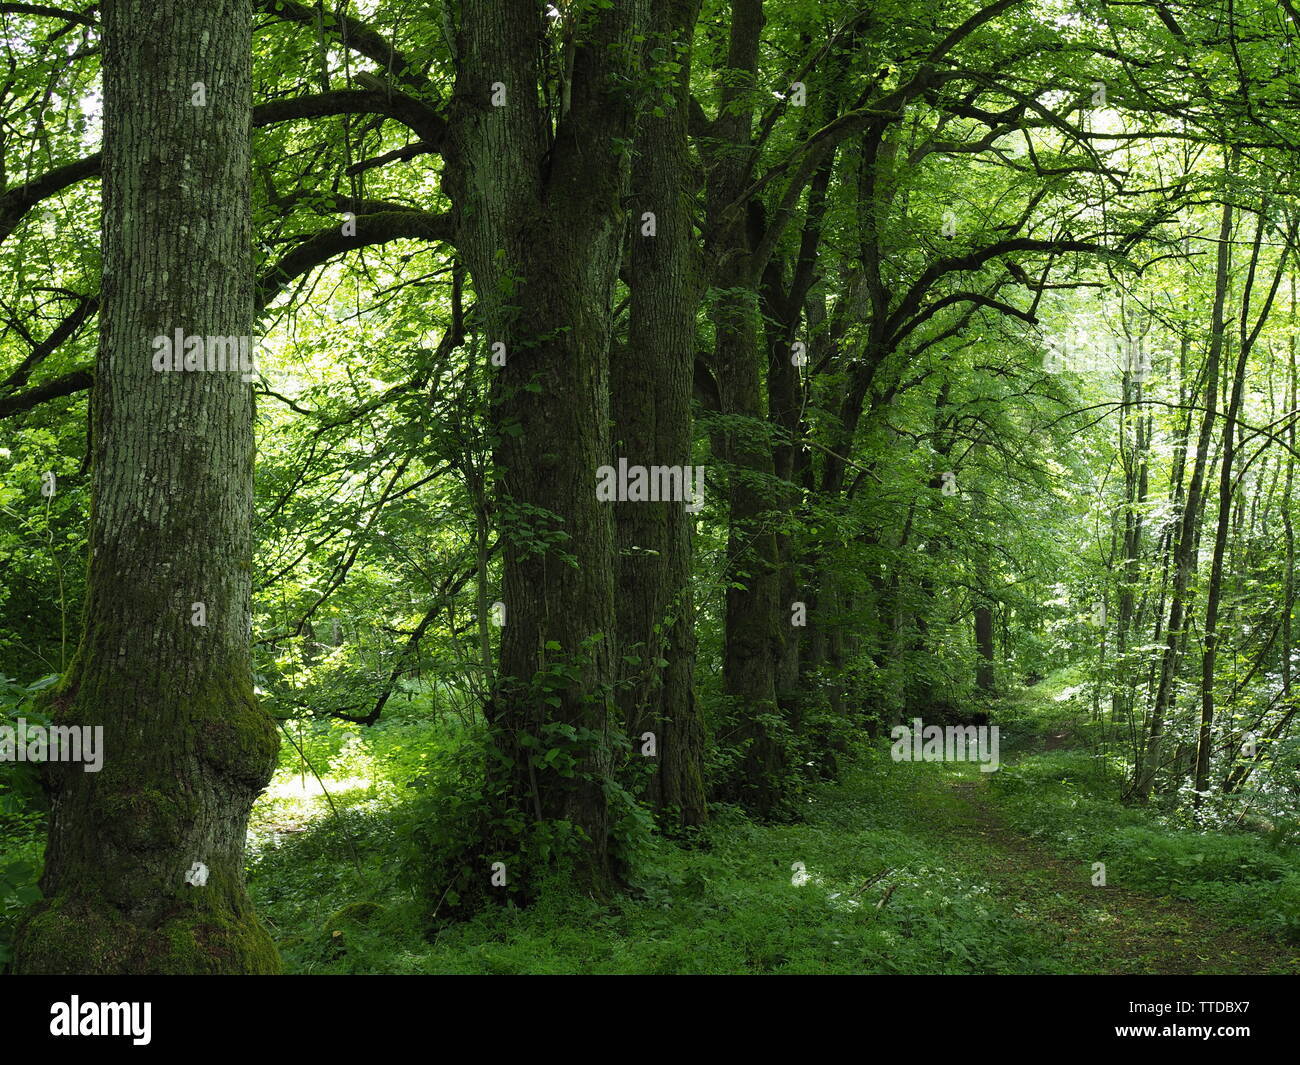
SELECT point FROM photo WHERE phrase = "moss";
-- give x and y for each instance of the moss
(119, 904)
(237, 738)
(61, 937)
(144, 818)
(216, 945)
(87, 935)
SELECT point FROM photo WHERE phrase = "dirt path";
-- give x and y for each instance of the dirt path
(1099, 929)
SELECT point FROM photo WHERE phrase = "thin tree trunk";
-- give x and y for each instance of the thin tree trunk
(1214, 592)
(1184, 551)
(1136, 482)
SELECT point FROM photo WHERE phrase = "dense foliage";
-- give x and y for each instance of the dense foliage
(981, 320)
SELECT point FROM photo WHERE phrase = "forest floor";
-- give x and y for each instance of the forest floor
(1097, 929)
(896, 867)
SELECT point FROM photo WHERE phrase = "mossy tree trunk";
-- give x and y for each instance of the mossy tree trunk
(539, 195)
(186, 748)
(652, 380)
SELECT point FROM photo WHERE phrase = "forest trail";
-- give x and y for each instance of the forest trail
(1104, 930)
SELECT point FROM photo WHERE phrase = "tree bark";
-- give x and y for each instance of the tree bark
(1214, 592)
(541, 228)
(753, 640)
(653, 378)
(1184, 548)
(186, 748)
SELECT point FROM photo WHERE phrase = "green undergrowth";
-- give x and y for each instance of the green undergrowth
(22, 817)
(1067, 800)
(893, 868)
(884, 873)
(862, 885)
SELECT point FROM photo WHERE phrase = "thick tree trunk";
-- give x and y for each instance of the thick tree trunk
(541, 226)
(754, 644)
(782, 305)
(652, 384)
(186, 748)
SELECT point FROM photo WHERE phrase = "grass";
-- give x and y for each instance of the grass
(865, 885)
(897, 868)
(921, 868)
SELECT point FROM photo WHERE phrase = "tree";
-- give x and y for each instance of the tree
(144, 868)
(1246, 338)
(652, 379)
(541, 223)
(1183, 556)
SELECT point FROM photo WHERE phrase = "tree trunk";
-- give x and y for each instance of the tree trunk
(186, 748)
(541, 226)
(1229, 448)
(984, 675)
(985, 651)
(1184, 550)
(652, 384)
(1136, 487)
(753, 640)
(782, 305)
